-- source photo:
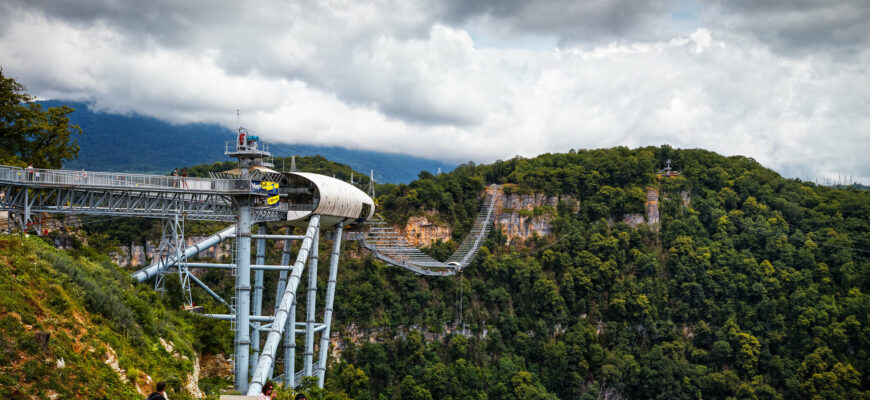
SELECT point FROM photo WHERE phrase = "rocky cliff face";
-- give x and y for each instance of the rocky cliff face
(516, 216)
(521, 216)
(420, 232)
(651, 208)
(652, 205)
(512, 215)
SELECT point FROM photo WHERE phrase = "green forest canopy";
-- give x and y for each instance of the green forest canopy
(758, 288)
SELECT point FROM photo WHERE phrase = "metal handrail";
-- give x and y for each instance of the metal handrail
(41, 176)
(232, 146)
(391, 246)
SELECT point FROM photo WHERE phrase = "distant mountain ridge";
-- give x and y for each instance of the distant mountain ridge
(135, 143)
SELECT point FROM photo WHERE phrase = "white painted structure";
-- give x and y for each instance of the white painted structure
(334, 200)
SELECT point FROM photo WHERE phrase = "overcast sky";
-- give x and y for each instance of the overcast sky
(783, 81)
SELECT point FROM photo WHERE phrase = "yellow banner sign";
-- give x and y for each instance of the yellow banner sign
(268, 186)
(272, 200)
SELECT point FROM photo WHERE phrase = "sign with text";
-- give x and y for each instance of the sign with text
(264, 187)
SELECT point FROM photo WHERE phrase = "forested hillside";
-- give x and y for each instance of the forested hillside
(103, 338)
(757, 288)
(752, 286)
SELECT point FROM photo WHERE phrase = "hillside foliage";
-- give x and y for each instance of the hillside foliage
(752, 286)
(94, 317)
(758, 288)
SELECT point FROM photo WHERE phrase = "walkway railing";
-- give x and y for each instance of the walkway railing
(39, 176)
(390, 246)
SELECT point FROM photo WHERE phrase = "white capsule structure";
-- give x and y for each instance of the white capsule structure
(336, 201)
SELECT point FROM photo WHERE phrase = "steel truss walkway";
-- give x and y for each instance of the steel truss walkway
(26, 192)
(388, 245)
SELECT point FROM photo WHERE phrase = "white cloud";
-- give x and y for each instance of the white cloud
(386, 76)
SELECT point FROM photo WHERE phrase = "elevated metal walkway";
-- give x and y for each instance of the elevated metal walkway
(31, 191)
(388, 245)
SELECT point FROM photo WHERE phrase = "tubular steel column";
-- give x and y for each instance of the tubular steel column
(310, 306)
(257, 307)
(25, 219)
(291, 321)
(330, 297)
(243, 297)
(260, 374)
(285, 260)
(290, 348)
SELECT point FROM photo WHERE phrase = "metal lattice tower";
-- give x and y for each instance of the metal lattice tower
(171, 249)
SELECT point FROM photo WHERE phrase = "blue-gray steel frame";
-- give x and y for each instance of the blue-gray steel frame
(261, 373)
(242, 340)
(258, 296)
(29, 198)
(311, 306)
(330, 297)
(172, 251)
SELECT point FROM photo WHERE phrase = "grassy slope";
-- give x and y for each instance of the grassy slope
(91, 310)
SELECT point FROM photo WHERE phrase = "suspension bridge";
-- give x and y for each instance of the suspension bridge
(251, 196)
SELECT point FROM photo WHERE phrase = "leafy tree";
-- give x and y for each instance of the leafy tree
(29, 134)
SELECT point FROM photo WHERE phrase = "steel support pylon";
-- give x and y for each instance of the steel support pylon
(290, 328)
(282, 318)
(311, 307)
(257, 306)
(242, 340)
(330, 297)
(171, 250)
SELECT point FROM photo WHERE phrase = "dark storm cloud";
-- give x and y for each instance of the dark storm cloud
(799, 27)
(569, 20)
(789, 26)
(168, 22)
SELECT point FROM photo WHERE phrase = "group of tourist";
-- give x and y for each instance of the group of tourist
(179, 179)
(182, 175)
(34, 175)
